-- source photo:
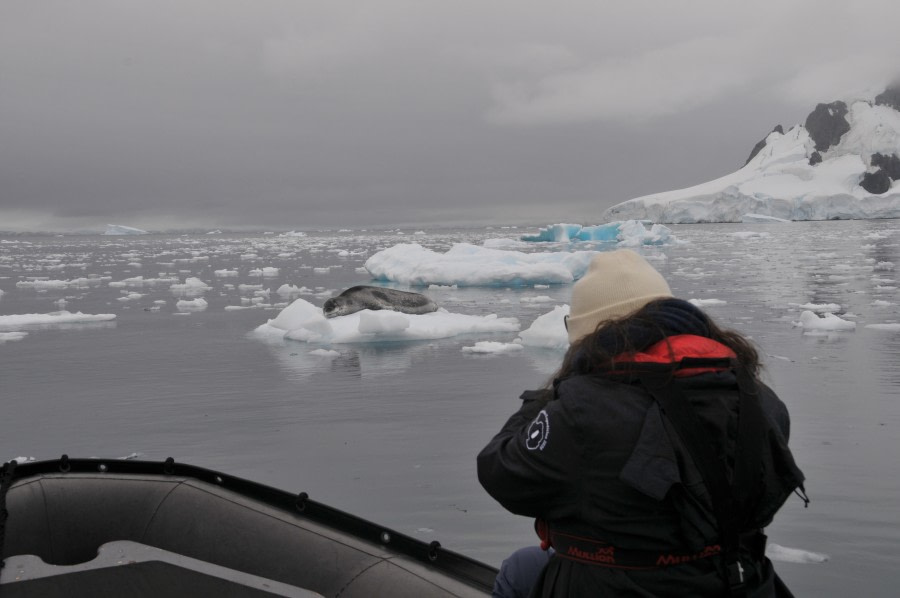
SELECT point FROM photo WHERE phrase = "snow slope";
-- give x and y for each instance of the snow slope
(784, 181)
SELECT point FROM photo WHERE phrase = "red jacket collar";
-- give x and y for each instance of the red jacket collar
(673, 349)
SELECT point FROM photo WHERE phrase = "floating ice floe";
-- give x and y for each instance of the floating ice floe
(118, 229)
(39, 284)
(889, 327)
(750, 234)
(810, 321)
(198, 304)
(493, 347)
(191, 286)
(761, 219)
(52, 318)
(470, 265)
(140, 281)
(548, 331)
(303, 321)
(6, 337)
(706, 302)
(267, 272)
(286, 290)
(794, 555)
(626, 233)
(818, 307)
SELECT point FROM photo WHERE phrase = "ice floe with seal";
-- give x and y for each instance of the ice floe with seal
(470, 265)
(302, 321)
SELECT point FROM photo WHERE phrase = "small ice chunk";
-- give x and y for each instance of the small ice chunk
(198, 304)
(794, 555)
(538, 299)
(888, 327)
(810, 321)
(493, 347)
(706, 302)
(12, 336)
(57, 317)
(819, 307)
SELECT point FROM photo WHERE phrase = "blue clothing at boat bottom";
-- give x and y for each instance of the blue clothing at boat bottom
(520, 571)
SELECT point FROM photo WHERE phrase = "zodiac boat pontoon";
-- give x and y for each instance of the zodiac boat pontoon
(92, 527)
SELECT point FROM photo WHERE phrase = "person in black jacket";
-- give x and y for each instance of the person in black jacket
(653, 460)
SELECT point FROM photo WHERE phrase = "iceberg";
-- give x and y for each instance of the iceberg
(470, 265)
(555, 233)
(302, 321)
(629, 233)
(118, 229)
(797, 176)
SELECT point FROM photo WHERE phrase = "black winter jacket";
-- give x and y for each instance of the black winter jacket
(598, 459)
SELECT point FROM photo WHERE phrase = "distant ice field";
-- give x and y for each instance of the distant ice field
(113, 346)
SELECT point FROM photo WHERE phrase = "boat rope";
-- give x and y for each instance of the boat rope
(6, 478)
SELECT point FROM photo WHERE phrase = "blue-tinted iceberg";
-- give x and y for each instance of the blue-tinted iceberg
(625, 233)
(555, 233)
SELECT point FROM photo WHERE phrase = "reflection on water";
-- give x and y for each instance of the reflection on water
(390, 431)
(352, 361)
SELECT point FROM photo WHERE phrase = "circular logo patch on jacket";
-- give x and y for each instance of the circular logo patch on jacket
(538, 432)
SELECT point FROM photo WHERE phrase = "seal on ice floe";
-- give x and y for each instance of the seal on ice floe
(362, 297)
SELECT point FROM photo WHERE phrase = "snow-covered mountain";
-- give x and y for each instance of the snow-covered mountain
(842, 164)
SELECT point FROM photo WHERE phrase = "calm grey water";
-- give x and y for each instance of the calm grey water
(390, 431)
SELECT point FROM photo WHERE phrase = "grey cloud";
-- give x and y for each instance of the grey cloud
(273, 113)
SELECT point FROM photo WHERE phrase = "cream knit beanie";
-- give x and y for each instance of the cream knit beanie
(616, 284)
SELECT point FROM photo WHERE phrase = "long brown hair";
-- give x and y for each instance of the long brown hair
(644, 327)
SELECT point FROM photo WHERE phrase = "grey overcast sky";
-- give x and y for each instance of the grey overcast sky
(299, 114)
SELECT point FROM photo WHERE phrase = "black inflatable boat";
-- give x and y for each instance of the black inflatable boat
(92, 527)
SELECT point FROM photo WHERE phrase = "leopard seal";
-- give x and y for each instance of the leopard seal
(363, 297)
